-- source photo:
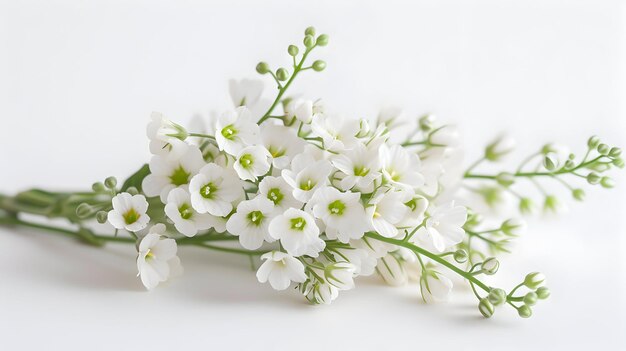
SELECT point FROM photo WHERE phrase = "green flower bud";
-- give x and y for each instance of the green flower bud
(486, 308)
(569, 164)
(460, 256)
(513, 227)
(490, 266)
(310, 31)
(607, 182)
(474, 219)
(603, 149)
(427, 122)
(499, 148)
(322, 40)
(505, 179)
(98, 187)
(593, 142)
(593, 178)
(543, 293)
(534, 280)
(101, 217)
(497, 296)
(84, 210)
(132, 190)
(525, 311)
(262, 68)
(618, 162)
(319, 65)
(551, 203)
(550, 162)
(578, 194)
(526, 205)
(615, 152)
(282, 74)
(293, 50)
(530, 299)
(110, 182)
(308, 41)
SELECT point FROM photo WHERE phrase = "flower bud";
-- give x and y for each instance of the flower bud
(262, 68)
(618, 162)
(593, 142)
(98, 187)
(607, 182)
(486, 308)
(319, 65)
(550, 161)
(132, 190)
(427, 122)
(84, 210)
(110, 182)
(603, 149)
(308, 41)
(340, 275)
(310, 31)
(569, 164)
(526, 205)
(474, 219)
(543, 293)
(551, 203)
(497, 296)
(460, 256)
(499, 148)
(578, 194)
(534, 280)
(292, 50)
(505, 179)
(101, 217)
(615, 152)
(513, 227)
(490, 266)
(530, 299)
(524, 311)
(593, 178)
(282, 74)
(322, 40)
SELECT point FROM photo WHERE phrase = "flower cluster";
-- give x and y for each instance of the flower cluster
(321, 198)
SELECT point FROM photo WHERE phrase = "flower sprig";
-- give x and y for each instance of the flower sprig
(319, 198)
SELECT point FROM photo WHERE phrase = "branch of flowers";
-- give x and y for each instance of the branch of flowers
(560, 171)
(432, 256)
(283, 89)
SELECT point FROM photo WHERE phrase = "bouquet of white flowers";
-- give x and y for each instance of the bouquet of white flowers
(319, 198)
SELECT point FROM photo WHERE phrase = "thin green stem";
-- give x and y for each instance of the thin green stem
(200, 135)
(537, 174)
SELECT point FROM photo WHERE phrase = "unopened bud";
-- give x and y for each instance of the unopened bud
(460, 256)
(593, 178)
(308, 41)
(578, 194)
(593, 142)
(319, 65)
(486, 308)
(534, 280)
(262, 68)
(618, 162)
(543, 293)
(110, 182)
(322, 40)
(292, 50)
(497, 296)
(550, 161)
(530, 299)
(84, 210)
(310, 31)
(98, 187)
(524, 311)
(505, 179)
(526, 205)
(490, 266)
(603, 149)
(282, 74)
(101, 217)
(513, 226)
(132, 190)
(607, 182)
(615, 152)
(499, 148)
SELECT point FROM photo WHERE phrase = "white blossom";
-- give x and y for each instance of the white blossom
(129, 212)
(298, 233)
(435, 287)
(156, 258)
(337, 132)
(386, 210)
(359, 167)
(340, 275)
(280, 269)
(186, 220)
(301, 109)
(279, 192)
(306, 175)
(252, 162)
(400, 167)
(342, 213)
(282, 143)
(444, 228)
(251, 222)
(165, 136)
(364, 262)
(391, 269)
(214, 189)
(245, 92)
(235, 130)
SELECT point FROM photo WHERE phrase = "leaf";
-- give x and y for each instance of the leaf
(136, 178)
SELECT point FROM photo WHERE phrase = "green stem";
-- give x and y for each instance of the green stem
(536, 174)
(432, 256)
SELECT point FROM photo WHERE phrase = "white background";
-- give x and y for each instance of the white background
(79, 79)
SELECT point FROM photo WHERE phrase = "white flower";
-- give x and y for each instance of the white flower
(165, 136)
(282, 143)
(499, 148)
(306, 175)
(415, 215)
(214, 189)
(280, 270)
(360, 167)
(279, 192)
(301, 109)
(235, 130)
(245, 92)
(340, 275)
(251, 222)
(391, 117)
(252, 162)
(342, 213)
(447, 135)
(187, 221)
(444, 227)
(321, 293)
(386, 210)
(400, 167)
(392, 271)
(129, 212)
(156, 259)
(297, 232)
(435, 287)
(364, 262)
(169, 172)
(374, 248)
(336, 132)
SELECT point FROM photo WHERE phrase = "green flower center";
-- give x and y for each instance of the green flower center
(131, 216)
(298, 223)
(229, 132)
(256, 217)
(307, 185)
(276, 152)
(336, 207)
(275, 195)
(246, 160)
(180, 176)
(395, 176)
(412, 204)
(208, 191)
(361, 171)
(149, 255)
(186, 212)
